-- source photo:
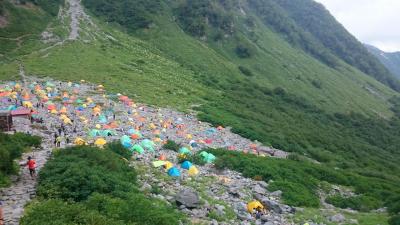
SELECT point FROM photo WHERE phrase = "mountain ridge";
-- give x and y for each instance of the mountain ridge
(390, 59)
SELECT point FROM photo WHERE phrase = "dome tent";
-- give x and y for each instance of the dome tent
(174, 172)
(186, 165)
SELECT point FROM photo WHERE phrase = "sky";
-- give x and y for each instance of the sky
(374, 22)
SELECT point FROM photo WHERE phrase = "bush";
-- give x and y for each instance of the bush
(360, 203)
(394, 220)
(243, 51)
(172, 145)
(85, 185)
(195, 159)
(57, 212)
(76, 173)
(246, 71)
(117, 147)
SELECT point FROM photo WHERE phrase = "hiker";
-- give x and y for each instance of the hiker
(31, 166)
(259, 213)
(59, 131)
(58, 141)
(1, 213)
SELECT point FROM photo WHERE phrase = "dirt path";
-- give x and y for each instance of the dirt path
(15, 197)
(76, 13)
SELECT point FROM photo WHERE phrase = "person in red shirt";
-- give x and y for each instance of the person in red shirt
(31, 166)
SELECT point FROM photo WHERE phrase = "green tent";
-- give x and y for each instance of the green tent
(185, 151)
(137, 148)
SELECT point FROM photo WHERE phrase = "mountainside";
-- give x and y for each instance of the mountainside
(390, 59)
(282, 72)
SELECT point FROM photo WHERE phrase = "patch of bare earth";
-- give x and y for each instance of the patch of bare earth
(3, 21)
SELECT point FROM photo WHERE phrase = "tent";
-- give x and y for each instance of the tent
(168, 165)
(103, 119)
(67, 121)
(137, 148)
(186, 165)
(254, 205)
(193, 171)
(79, 141)
(174, 172)
(147, 144)
(207, 157)
(162, 158)
(100, 142)
(27, 104)
(184, 151)
(63, 110)
(106, 133)
(94, 133)
(159, 163)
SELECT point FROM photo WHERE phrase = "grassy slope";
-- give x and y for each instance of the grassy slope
(276, 64)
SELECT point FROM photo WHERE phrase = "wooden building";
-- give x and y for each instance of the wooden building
(5, 120)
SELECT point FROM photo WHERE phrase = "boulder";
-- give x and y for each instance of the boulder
(338, 218)
(259, 190)
(277, 207)
(188, 198)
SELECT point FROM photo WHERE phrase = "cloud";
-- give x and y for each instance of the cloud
(372, 21)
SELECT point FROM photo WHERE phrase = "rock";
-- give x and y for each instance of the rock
(338, 218)
(242, 215)
(264, 218)
(220, 209)
(272, 205)
(214, 222)
(263, 184)
(188, 198)
(277, 193)
(145, 186)
(259, 190)
(269, 223)
(353, 221)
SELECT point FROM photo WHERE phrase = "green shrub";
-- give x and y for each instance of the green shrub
(94, 186)
(172, 145)
(194, 158)
(76, 173)
(57, 212)
(246, 71)
(394, 220)
(117, 147)
(360, 203)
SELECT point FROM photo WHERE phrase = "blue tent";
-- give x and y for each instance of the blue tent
(102, 119)
(186, 165)
(174, 172)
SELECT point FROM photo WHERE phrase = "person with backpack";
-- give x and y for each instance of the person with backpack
(1, 214)
(31, 166)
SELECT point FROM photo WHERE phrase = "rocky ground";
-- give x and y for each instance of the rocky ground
(212, 197)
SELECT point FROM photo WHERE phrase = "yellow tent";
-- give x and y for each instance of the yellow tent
(63, 117)
(79, 141)
(27, 104)
(189, 136)
(100, 142)
(53, 111)
(67, 121)
(96, 110)
(63, 110)
(193, 171)
(17, 87)
(98, 126)
(168, 165)
(254, 205)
